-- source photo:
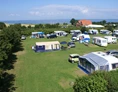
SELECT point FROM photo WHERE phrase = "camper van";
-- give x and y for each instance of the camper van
(111, 39)
(99, 41)
(75, 32)
(93, 31)
(60, 33)
(103, 31)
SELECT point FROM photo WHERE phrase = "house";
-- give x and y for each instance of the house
(37, 35)
(99, 41)
(98, 61)
(46, 46)
(83, 22)
(111, 39)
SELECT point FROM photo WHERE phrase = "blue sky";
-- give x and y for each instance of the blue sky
(58, 9)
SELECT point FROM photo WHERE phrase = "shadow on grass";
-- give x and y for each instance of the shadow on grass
(7, 82)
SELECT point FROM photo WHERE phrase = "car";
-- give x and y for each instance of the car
(49, 36)
(71, 44)
(73, 58)
(113, 53)
(23, 37)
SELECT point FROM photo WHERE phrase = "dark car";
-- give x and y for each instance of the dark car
(51, 36)
(71, 44)
(113, 53)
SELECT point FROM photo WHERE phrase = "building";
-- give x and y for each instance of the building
(98, 61)
(83, 22)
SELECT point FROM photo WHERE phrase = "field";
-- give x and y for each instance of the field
(49, 71)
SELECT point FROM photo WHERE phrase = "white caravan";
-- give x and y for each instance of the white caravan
(111, 39)
(93, 31)
(99, 41)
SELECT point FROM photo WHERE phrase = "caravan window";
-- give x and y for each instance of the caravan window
(104, 41)
(114, 66)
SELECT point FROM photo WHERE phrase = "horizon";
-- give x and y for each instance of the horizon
(54, 9)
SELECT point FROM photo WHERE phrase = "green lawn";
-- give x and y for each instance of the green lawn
(49, 71)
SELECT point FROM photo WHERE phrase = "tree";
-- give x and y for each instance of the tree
(91, 83)
(72, 21)
(5, 48)
(83, 29)
(2, 25)
(13, 34)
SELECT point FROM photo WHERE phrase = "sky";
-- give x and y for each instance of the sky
(58, 9)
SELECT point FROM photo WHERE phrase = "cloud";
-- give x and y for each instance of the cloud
(71, 11)
(14, 14)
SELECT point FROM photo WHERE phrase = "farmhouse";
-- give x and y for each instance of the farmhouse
(47, 46)
(98, 61)
(83, 22)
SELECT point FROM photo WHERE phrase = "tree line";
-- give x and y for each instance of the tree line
(99, 81)
(10, 42)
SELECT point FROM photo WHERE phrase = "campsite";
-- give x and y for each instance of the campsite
(50, 71)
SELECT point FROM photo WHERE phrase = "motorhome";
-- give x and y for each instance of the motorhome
(75, 32)
(60, 33)
(104, 31)
(99, 41)
(111, 39)
(93, 31)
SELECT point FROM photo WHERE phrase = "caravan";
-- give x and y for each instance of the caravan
(83, 38)
(93, 31)
(99, 41)
(111, 39)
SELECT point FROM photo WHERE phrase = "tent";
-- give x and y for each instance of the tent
(37, 35)
(47, 46)
(98, 61)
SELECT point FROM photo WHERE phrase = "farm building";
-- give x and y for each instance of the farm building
(83, 22)
(98, 61)
(47, 46)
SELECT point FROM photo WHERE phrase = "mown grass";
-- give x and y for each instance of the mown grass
(49, 71)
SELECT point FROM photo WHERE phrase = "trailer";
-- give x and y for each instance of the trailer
(99, 41)
(111, 39)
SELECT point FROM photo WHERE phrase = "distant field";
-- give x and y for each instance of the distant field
(49, 71)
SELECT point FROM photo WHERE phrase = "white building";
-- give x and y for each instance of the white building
(98, 61)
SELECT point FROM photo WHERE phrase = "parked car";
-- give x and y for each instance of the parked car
(71, 44)
(23, 37)
(113, 53)
(73, 58)
(51, 36)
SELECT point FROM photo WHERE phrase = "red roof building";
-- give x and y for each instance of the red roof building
(83, 22)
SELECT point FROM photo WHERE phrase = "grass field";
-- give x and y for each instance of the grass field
(49, 71)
